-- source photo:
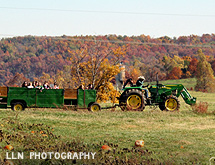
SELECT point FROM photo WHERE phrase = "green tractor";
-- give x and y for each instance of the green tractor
(137, 96)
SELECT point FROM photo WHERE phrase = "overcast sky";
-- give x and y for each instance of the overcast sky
(156, 18)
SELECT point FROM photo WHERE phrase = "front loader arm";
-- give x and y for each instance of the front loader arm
(179, 89)
(186, 95)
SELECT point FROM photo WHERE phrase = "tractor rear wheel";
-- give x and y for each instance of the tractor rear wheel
(132, 100)
(171, 104)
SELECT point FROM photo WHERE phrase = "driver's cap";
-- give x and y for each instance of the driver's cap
(141, 78)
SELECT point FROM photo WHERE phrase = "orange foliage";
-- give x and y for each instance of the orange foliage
(33, 56)
(176, 73)
(192, 68)
(17, 80)
(187, 58)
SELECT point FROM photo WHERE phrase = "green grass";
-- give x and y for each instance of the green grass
(176, 138)
(188, 83)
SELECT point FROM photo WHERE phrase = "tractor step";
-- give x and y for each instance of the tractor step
(148, 101)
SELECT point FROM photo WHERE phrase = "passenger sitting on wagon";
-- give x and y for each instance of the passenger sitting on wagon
(30, 85)
(46, 85)
(55, 86)
(90, 86)
(81, 87)
(35, 84)
(25, 84)
(39, 86)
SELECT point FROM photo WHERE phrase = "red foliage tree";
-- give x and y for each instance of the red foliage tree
(193, 67)
(176, 73)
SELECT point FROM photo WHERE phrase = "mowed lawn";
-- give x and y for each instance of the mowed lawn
(175, 137)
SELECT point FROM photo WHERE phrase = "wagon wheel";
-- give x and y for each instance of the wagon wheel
(18, 106)
(94, 107)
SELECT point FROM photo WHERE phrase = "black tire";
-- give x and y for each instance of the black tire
(162, 106)
(18, 106)
(95, 107)
(122, 102)
(132, 100)
(171, 104)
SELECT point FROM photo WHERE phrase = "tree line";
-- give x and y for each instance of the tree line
(90, 59)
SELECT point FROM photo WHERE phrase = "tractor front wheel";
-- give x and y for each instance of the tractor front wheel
(171, 104)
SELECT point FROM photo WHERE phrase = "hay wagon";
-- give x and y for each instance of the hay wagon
(18, 98)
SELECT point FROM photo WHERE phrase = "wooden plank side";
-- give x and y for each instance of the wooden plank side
(3, 91)
(70, 94)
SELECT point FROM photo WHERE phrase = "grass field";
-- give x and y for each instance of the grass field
(188, 83)
(182, 137)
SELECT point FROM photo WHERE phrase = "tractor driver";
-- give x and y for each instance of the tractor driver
(140, 82)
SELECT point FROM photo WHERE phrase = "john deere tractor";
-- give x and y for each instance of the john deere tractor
(136, 96)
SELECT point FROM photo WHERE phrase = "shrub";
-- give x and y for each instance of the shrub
(201, 107)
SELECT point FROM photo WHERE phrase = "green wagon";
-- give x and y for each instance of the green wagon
(20, 98)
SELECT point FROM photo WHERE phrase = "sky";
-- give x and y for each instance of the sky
(155, 18)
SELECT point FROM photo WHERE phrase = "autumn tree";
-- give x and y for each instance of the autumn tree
(32, 55)
(173, 66)
(175, 73)
(91, 65)
(45, 77)
(135, 70)
(192, 68)
(64, 78)
(105, 89)
(17, 80)
(213, 65)
(205, 75)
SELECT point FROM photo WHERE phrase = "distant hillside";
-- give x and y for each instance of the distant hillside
(32, 55)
